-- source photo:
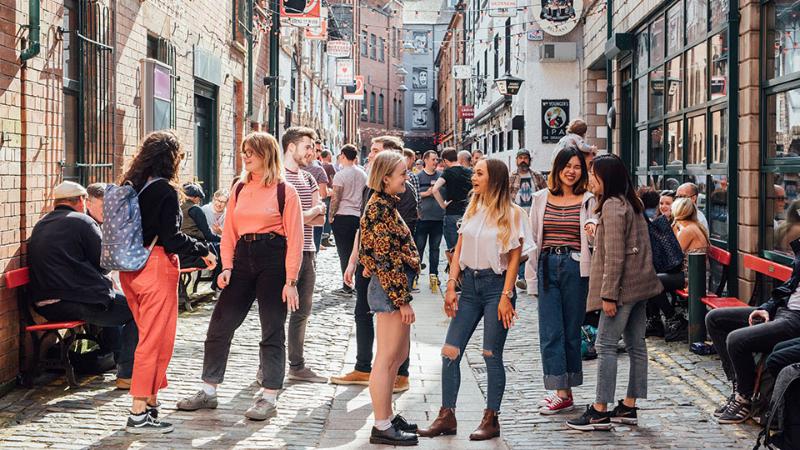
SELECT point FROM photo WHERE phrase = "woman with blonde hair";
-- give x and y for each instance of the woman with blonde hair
(261, 252)
(692, 236)
(391, 262)
(152, 292)
(494, 236)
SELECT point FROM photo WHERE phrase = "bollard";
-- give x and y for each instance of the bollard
(697, 289)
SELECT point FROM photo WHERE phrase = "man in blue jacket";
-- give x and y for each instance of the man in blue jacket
(67, 282)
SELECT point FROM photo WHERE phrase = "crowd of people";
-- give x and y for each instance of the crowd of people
(577, 240)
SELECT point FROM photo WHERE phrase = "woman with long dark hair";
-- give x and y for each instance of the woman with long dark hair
(494, 235)
(622, 279)
(152, 292)
(562, 219)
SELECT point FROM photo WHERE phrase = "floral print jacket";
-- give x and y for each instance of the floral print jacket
(387, 248)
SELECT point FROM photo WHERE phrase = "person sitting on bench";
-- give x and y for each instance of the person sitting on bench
(67, 282)
(739, 333)
(195, 224)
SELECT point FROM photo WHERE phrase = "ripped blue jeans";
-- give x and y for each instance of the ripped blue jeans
(480, 296)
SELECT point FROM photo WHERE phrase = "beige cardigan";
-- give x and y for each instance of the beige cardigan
(622, 262)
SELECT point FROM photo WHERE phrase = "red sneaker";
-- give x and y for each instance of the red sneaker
(557, 405)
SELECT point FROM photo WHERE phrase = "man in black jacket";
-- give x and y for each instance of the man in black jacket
(739, 333)
(67, 282)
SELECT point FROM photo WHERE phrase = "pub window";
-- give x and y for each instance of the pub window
(674, 143)
(641, 99)
(675, 29)
(718, 208)
(642, 49)
(782, 53)
(719, 137)
(718, 49)
(657, 45)
(696, 20)
(719, 13)
(696, 75)
(656, 93)
(783, 124)
(696, 134)
(656, 153)
(674, 86)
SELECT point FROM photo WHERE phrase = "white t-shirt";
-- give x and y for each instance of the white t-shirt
(480, 246)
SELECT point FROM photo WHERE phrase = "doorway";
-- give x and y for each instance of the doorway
(205, 137)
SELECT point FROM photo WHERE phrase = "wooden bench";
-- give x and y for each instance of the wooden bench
(758, 265)
(721, 257)
(73, 331)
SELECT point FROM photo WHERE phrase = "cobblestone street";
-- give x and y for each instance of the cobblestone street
(684, 390)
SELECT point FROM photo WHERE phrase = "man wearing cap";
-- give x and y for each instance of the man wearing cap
(523, 183)
(195, 224)
(67, 282)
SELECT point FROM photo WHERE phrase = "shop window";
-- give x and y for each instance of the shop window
(782, 210)
(675, 29)
(642, 150)
(696, 75)
(642, 49)
(657, 44)
(719, 13)
(641, 99)
(718, 208)
(718, 49)
(719, 137)
(656, 151)
(696, 20)
(656, 93)
(783, 124)
(675, 143)
(782, 38)
(696, 134)
(674, 86)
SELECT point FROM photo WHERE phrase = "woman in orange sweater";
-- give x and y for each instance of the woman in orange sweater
(261, 253)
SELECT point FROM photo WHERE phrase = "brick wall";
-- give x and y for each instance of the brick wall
(595, 107)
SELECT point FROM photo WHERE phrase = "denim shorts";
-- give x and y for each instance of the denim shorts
(376, 297)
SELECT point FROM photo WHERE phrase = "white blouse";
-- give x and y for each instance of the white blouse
(481, 248)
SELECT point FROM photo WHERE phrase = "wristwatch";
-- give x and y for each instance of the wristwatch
(292, 283)
(509, 294)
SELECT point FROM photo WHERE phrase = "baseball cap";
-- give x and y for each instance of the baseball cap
(523, 152)
(68, 189)
(193, 190)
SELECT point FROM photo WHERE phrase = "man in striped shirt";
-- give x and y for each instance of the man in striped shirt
(298, 148)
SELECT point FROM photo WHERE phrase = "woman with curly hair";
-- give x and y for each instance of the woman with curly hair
(152, 292)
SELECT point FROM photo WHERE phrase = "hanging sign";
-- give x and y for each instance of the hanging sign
(317, 34)
(339, 49)
(466, 112)
(536, 34)
(503, 8)
(356, 90)
(558, 17)
(555, 117)
(302, 13)
(462, 72)
(344, 72)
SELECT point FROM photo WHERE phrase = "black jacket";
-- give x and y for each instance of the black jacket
(64, 259)
(161, 216)
(780, 295)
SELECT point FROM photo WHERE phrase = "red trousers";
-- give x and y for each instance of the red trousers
(152, 295)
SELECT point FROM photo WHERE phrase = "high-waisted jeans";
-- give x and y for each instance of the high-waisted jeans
(480, 297)
(259, 272)
(562, 309)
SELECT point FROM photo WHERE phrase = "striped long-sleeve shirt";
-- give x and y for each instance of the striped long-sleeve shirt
(562, 226)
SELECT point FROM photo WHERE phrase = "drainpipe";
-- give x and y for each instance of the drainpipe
(733, 146)
(33, 33)
(609, 73)
(250, 60)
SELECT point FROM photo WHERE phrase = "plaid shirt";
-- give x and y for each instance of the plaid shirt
(514, 181)
(414, 180)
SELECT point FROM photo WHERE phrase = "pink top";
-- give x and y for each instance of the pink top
(258, 213)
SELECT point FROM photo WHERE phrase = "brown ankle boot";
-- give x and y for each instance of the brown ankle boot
(444, 425)
(489, 427)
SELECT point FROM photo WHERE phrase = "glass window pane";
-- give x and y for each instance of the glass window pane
(696, 75)
(719, 12)
(656, 93)
(719, 137)
(674, 85)
(641, 99)
(782, 207)
(783, 124)
(675, 143)
(696, 130)
(696, 21)
(700, 182)
(675, 29)
(656, 147)
(784, 35)
(657, 45)
(641, 53)
(718, 208)
(642, 153)
(718, 48)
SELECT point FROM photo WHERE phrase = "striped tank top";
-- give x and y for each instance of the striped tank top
(561, 226)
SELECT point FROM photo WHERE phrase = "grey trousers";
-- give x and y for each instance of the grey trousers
(629, 323)
(296, 337)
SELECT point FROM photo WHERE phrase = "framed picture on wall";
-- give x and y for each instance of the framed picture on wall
(420, 98)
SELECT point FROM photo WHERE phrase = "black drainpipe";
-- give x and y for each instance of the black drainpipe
(733, 143)
(609, 74)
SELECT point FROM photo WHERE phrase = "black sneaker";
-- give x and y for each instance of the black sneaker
(677, 329)
(392, 436)
(624, 414)
(402, 424)
(718, 412)
(655, 327)
(344, 291)
(153, 409)
(737, 411)
(591, 420)
(146, 424)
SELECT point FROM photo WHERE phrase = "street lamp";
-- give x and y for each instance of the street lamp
(508, 84)
(402, 88)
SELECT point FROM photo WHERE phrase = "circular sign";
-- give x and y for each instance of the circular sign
(555, 117)
(558, 17)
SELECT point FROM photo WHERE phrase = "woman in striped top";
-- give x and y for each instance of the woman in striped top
(563, 221)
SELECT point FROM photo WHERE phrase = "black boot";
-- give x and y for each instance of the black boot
(392, 436)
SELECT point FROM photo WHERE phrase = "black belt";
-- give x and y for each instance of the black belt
(562, 250)
(252, 237)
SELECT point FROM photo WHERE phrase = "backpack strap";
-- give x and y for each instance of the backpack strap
(239, 187)
(281, 196)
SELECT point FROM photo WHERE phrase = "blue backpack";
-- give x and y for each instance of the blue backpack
(123, 247)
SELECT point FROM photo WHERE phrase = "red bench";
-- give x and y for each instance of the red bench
(73, 331)
(721, 257)
(758, 265)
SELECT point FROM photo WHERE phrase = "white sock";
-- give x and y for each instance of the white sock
(209, 389)
(270, 395)
(383, 425)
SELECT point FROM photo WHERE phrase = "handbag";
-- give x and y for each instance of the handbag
(667, 251)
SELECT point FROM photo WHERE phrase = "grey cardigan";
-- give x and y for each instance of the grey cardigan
(622, 262)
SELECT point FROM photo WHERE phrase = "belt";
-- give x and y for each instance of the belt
(252, 237)
(482, 272)
(562, 250)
